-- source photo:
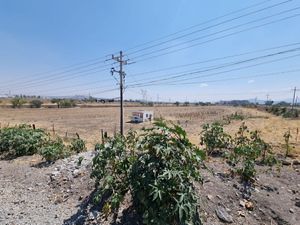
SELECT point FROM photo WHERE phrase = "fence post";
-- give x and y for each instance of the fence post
(102, 136)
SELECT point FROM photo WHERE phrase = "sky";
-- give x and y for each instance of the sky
(177, 50)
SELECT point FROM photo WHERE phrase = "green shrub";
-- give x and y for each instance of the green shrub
(214, 138)
(287, 136)
(283, 111)
(159, 167)
(54, 150)
(292, 113)
(236, 116)
(243, 150)
(21, 140)
(67, 103)
(248, 148)
(77, 145)
(17, 102)
(36, 103)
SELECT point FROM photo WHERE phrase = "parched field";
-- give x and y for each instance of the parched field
(88, 122)
(62, 193)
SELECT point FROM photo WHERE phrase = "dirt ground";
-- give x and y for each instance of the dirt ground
(88, 122)
(35, 193)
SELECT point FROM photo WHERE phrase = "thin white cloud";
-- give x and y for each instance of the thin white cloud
(251, 81)
(203, 85)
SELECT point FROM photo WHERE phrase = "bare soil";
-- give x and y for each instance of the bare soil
(36, 193)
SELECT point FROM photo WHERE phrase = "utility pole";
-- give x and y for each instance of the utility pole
(122, 74)
(294, 97)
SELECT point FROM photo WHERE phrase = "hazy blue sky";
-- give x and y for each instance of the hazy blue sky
(40, 39)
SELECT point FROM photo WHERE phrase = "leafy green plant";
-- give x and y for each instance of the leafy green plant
(214, 138)
(80, 159)
(26, 140)
(236, 116)
(66, 103)
(36, 103)
(248, 148)
(158, 167)
(21, 140)
(162, 177)
(283, 111)
(287, 136)
(17, 102)
(54, 150)
(111, 167)
(77, 145)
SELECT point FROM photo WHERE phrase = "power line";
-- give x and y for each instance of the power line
(214, 59)
(63, 77)
(209, 27)
(200, 24)
(235, 78)
(59, 71)
(164, 69)
(211, 68)
(218, 38)
(105, 57)
(223, 66)
(217, 73)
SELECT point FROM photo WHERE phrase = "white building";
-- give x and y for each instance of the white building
(141, 116)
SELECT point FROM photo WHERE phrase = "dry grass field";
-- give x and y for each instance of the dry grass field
(88, 122)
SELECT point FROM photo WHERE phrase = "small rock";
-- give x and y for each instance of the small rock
(223, 215)
(241, 213)
(297, 204)
(55, 173)
(296, 162)
(249, 205)
(209, 197)
(242, 203)
(93, 215)
(291, 210)
(286, 162)
(76, 173)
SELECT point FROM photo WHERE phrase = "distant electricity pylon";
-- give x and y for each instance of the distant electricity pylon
(294, 96)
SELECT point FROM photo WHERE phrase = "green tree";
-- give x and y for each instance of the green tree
(36, 103)
(17, 102)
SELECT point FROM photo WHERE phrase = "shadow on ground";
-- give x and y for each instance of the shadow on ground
(88, 212)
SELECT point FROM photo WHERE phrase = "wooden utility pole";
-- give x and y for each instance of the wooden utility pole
(121, 73)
